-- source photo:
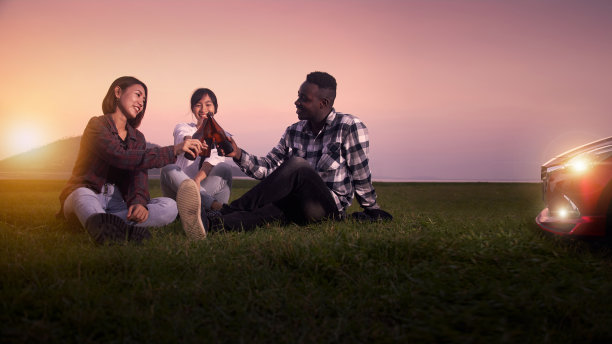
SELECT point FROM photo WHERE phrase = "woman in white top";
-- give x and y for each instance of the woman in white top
(215, 176)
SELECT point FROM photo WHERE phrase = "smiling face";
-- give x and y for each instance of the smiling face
(132, 100)
(202, 107)
(309, 106)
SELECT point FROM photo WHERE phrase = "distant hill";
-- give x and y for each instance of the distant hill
(57, 160)
(58, 156)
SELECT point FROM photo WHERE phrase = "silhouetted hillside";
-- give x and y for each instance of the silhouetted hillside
(57, 159)
(58, 156)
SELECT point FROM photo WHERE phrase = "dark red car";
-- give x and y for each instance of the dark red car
(577, 190)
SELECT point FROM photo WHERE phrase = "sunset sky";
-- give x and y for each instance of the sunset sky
(455, 90)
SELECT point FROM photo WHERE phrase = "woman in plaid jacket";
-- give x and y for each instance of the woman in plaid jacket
(108, 190)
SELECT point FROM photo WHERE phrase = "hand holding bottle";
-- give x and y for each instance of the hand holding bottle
(189, 146)
(236, 151)
(210, 134)
(219, 138)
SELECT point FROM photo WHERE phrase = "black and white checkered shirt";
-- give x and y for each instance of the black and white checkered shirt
(339, 154)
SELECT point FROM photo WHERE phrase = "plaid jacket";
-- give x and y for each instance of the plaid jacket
(102, 159)
(339, 154)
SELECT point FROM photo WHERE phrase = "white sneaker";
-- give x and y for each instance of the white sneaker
(189, 207)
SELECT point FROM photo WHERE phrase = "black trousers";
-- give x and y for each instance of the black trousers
(294, 192)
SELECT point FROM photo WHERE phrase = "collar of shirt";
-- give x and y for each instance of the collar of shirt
(328, 122)
(131, 132)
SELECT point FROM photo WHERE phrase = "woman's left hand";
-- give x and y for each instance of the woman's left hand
(137, 213)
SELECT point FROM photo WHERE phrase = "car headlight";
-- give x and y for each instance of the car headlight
(580, 163)
(582, 159)
(565, 208)
(585, 161)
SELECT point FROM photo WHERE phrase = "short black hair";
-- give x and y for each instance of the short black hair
(322, 79)
(201, 92)
(327, 85)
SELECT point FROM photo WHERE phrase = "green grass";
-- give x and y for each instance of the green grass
(461, 262)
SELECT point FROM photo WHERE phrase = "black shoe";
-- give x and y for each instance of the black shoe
(225, 209)
(372, 215)
(213, 213)
(111, 228)
(138, 234)
(215, 221)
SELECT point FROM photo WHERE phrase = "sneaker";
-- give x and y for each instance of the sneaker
(111, 228)
(190, 210)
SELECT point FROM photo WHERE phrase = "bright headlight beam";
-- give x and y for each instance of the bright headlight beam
(580, 165)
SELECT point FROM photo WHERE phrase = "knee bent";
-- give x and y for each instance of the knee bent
(297, 164)
(314, 212)
(168, 169)
(224, 171)
(166, 210)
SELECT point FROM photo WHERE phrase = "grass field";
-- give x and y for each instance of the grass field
(461, 262)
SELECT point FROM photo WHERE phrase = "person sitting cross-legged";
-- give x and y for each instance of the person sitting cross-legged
(108, 191)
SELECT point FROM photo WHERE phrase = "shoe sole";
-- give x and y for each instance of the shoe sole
(138, 234)
(108, 228)
(189, 207)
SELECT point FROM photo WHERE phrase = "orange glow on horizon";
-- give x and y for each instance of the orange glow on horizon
(452, 90)
(25, 136)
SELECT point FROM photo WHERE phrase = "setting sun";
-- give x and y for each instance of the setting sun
(23, 137)
(470, 90)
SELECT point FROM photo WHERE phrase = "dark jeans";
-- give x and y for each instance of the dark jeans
(293, 192)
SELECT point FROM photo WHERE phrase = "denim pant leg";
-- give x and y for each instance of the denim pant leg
(162, 210)
(294, 190)
(84, 202)
(217, 185)
(170, 178)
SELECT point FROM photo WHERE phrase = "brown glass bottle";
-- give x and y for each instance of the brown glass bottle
(219, 138)
(211, 133)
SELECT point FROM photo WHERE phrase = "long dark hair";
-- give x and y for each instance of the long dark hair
(201, 92)
(109, 105)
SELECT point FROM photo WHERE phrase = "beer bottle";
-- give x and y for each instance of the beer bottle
(203, 134)
(219, 138)
(211, 133)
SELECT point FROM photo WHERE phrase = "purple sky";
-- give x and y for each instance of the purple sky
(452, 90)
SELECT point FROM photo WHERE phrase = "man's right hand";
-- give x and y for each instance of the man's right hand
(237, 153)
